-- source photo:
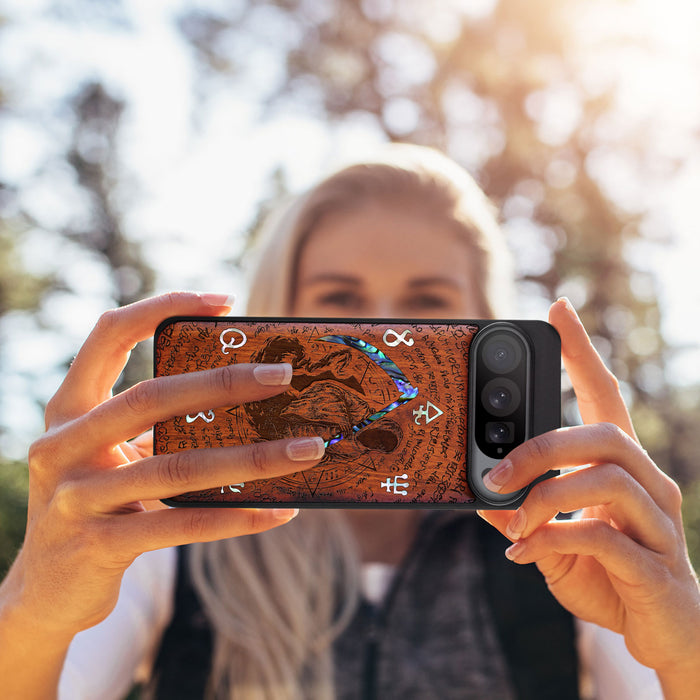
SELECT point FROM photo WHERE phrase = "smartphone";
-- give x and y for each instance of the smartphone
(413, 414)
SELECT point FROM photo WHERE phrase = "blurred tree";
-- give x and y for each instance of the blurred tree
(500, 86)
(93, 233)
(94, 156)
(691, 519)
(13, 510)
(97, 233)
(18, 291)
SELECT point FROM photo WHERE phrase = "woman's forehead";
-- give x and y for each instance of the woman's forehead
(404, 242)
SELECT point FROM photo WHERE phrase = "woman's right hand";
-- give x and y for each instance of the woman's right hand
(86, 517)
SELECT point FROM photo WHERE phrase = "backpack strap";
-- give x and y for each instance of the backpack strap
(536, 633)
(183, 664)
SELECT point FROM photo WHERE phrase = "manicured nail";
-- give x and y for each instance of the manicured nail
(516, 525)
(499, 476)
(285, 514)
(304, 449)
(515, 550)
(569, 306)
(274, 374)
(218, 300)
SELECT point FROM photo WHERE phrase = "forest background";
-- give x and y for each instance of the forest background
(141, 142)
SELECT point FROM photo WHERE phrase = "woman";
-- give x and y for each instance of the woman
(409, 236)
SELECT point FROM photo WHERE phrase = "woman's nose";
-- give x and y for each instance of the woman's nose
(382, 307)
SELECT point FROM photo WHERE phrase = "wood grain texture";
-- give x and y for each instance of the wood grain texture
(413, 453)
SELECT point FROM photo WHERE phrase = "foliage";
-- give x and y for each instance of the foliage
(19, 290)
(89, 159)
(14, 483)
(691, 521)
(487, 88)
(93, 155)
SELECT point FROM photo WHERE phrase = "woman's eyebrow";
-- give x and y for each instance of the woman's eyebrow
(332, 277)
(351, 280)
(434, 281)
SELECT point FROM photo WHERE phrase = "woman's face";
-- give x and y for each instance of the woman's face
(385, 261)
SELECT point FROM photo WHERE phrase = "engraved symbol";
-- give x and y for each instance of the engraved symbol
(208, 418)
(234, 488)
(398, 486)
(408, 392)
(230, 345)
(424, 412)
(390, 332)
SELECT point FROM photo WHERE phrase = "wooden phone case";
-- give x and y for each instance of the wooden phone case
(390, 398)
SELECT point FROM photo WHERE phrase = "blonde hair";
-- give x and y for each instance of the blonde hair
(416, 176)
(277, 600)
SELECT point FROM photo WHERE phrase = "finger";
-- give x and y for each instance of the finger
(497, 518)
(596, 388)
(102, 357)
(579, 445)
(138, 448)
(165, 476)
(618, 554)
(143, 444)
(156, 529)
(606, 486)
(138, 408)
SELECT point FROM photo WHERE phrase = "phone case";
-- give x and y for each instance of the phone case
(390, 398)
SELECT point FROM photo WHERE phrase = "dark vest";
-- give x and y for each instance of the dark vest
(460, 621)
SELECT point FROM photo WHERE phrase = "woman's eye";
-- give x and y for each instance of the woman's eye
(428, 302)
(341, 299)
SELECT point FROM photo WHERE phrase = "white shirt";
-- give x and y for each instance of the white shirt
(105, 661)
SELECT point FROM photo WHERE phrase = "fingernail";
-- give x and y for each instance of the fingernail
(569, 306)
(303, 449)
(273, 375)
(499, 476)
(515, 550)
(285, 514)
(218, 299)
(516, 525)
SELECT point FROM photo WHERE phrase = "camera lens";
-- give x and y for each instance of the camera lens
(500, 396)
(499, 432)
(502, 353)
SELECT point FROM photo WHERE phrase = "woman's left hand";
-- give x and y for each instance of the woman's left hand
(624, 564)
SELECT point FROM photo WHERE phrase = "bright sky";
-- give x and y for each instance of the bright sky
(195, 186)
(672, 67)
